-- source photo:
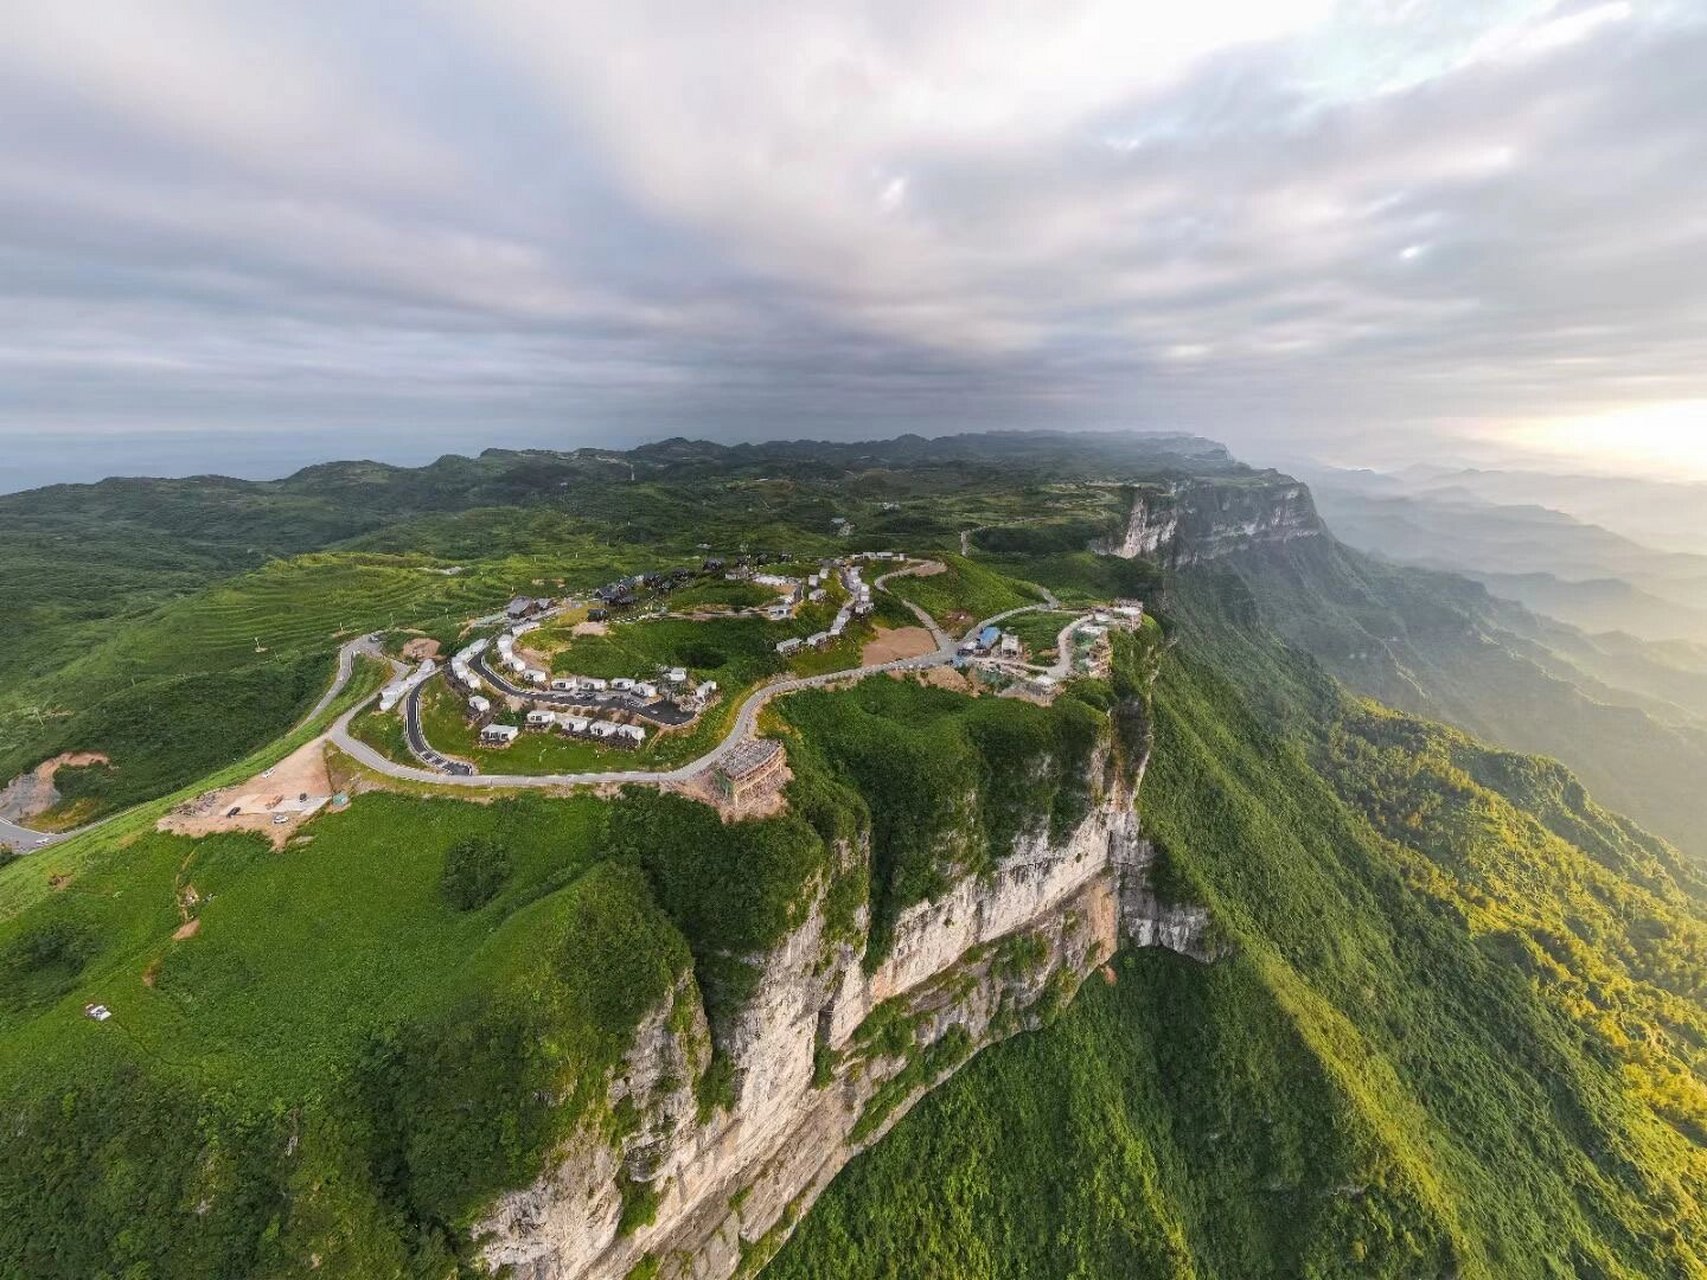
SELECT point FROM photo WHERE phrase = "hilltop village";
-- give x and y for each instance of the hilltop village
(546, 671)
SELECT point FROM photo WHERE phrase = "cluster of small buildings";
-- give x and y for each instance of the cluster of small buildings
(508, 657)
(398, 690)
(574, 726)
(857, 605)
(991, 641)
(675, 685)
(461, 672)
(524, 607)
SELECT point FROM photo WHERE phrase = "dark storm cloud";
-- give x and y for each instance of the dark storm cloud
(270, 232)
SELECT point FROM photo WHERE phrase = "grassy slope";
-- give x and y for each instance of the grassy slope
(963, 593)
(184, 689)
(1407, 1066)
(341, 1063)
(1435, 645)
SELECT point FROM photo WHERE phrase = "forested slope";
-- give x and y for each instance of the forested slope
(1459, 1030)
(1437, 645)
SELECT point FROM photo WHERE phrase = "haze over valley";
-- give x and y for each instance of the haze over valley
(853, 641)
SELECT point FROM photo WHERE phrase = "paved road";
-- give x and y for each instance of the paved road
(22, 838)
(746, 721)
(346, 668)
(881, 583)
(416, 738)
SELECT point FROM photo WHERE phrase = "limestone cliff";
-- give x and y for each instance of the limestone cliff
(1191, 522)
(827, 1055)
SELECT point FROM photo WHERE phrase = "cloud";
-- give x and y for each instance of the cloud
(457, 224)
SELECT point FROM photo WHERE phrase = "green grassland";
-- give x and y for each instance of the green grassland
(349, 1056)
(1458, 1027)
(963, 593)
(732, 651)
(205, 679)
(1458, 1030)
(177, 624)
(713, 593)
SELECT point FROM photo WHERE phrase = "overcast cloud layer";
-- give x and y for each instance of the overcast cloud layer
(241, 236)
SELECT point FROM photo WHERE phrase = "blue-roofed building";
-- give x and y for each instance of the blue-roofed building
(989, 637)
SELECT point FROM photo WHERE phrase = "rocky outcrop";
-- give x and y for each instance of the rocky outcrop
(1191, 522)
(827, 1056)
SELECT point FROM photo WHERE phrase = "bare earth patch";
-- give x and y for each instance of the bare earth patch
(895, 643)
(591, 629)
(188, 929)
(260, 800)
(421, 648)
(949, 678)
(33, 792)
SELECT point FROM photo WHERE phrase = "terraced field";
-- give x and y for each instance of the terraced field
(177, 691)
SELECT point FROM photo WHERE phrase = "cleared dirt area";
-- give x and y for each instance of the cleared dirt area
(949, 678)
(258, 801)
(421, 648)
(33, 792)
(895, 643)
(591, 629)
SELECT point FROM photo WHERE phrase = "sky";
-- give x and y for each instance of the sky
(241, 236)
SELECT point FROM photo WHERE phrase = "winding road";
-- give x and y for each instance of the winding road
(25, 839)
(446, 771)
(746, 720)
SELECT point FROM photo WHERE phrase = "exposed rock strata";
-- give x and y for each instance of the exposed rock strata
(828, 1057)
(1190, 523)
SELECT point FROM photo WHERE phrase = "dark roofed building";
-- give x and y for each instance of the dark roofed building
(752, 769)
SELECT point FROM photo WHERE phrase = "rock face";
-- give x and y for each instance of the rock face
(827, 1057)
(1190, 523)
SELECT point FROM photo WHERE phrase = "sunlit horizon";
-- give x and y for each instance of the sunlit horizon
(1663, 441)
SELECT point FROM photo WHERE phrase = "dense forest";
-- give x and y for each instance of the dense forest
(1459, 1029)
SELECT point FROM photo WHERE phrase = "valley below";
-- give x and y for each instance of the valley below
(1108, 872)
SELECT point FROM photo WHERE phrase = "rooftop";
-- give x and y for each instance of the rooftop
(749, 757)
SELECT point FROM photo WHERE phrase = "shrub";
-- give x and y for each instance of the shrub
(42, 963)
(476, 870)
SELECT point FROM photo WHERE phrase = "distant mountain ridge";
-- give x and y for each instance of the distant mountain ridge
(1551, 561)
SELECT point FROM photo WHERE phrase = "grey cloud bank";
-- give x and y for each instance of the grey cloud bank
(242, 237)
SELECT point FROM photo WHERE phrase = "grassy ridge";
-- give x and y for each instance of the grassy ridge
(1438, 646)
(203, 680)
(1464, 1039)
(373, 1048)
